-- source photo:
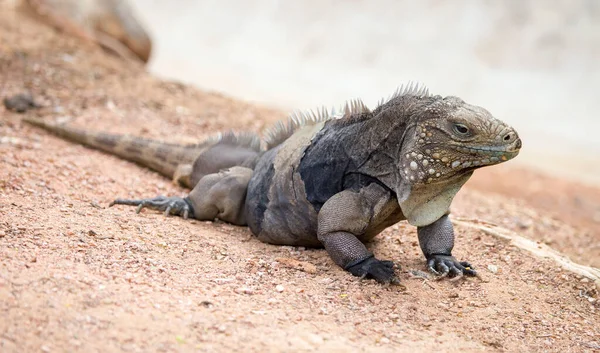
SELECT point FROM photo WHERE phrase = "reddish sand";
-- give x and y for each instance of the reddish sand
(77, 276)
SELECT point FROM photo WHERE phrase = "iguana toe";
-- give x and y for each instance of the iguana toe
(170, 205)
(381, 271)
(448, 266)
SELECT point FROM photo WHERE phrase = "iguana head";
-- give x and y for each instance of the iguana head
(450, 137)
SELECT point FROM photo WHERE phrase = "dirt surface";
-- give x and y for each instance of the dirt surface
(77, 276)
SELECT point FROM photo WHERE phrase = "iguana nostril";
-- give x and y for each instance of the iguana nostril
(519, 144)
(508, 136)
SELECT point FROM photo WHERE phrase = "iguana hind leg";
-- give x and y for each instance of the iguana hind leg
(221, 156)
(219, 195)
(170, 205)
(230, 152)
(182, 175)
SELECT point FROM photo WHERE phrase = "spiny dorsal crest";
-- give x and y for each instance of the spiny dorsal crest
(242, 139)
(283, 129)
(355, 106)
(410, 89)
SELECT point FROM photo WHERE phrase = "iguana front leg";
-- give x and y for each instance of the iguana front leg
(437, 241)
(345, 218)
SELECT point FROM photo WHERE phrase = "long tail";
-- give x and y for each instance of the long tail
(161, 157)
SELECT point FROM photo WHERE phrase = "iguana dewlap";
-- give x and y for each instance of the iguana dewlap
(333, 181)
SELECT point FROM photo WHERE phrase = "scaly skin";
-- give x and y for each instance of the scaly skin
(337, 183)
(170, 160)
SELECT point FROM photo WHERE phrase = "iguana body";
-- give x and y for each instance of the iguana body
(110, 23)
(338, 182)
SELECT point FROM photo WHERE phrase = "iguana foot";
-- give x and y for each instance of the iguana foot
(380, 270)
(448, 265)
(170, 205)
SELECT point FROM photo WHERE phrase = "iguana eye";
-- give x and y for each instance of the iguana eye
(461, 129)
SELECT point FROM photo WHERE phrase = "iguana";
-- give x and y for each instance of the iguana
(332, 180)
(110, 23)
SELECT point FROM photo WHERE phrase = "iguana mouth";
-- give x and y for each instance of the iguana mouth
(498, 151)
(486, 155)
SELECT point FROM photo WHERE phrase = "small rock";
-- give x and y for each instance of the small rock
(523, 223)
(585, 280)
(244, 290)
(279, 288)
(20, 103)
(493, 268)
(2, 234)
(315, 339)
(298, 265)
(384, 340)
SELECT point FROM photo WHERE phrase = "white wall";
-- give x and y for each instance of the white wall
(534, 64)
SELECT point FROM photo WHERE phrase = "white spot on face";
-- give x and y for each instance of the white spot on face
(413, 165)
(437, 175)
(455, 164)
(425, 163)
(419, 156)
(431, 171)
(422, 134)
(435, 155)
(445, 159)
(414, 154)
(412, 177)
(428, 151)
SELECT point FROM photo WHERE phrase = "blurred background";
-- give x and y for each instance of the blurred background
(532, 63)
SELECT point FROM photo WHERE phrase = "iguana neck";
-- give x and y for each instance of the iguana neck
(380, 142)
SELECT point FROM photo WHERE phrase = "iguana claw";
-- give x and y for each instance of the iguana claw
(170, 205)
(448, 266)
(380, 270)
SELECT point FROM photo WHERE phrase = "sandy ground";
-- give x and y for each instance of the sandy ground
(77, 276)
